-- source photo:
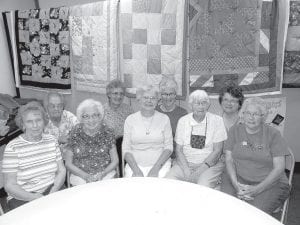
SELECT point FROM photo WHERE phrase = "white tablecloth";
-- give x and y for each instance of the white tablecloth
(137, 201)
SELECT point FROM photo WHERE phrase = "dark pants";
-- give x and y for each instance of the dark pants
(15, 203)
(119, 150)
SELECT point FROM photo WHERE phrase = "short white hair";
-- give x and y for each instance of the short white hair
(167, 82)
(53, 94)
(147, 88)
(87, 103)
(259, 103)
(198, 95)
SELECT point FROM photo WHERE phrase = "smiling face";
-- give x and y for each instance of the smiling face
(116, 96)
(200, 108)
(148, 101)
(230, 104)
(253, 117)
(91, 118)
(55, 107)
(33, 124)
(168, 97)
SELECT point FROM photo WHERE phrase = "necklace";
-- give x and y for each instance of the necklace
(147, 123)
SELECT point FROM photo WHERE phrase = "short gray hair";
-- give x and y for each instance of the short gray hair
(115, 84)
(168, 83)
(29, 107)
(51, 94)
(86, 104)
(147, 88)
(259, 103)
(198, 95)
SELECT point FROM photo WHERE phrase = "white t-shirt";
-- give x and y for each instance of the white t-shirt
(147, 138)
(215, 132)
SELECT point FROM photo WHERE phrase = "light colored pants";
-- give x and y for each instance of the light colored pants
(211, 177)
(162, 173)
(76, 180)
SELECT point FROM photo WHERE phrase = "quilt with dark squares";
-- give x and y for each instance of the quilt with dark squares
(237, 41)
(42, 39)
(291, 69)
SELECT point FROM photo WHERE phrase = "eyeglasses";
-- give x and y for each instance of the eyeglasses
(231, 101)
(200, 103)
(58, 106)
(168, 94)
(93, 116)
(117, 93)
(151, 98)
(255, 114)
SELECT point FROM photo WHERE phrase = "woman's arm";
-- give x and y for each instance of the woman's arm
(165, 155)
(181, 160)
(129, 158)
(60, 177)
(11, 186)
(114, 161)
(74, 169)
(231, 170)
(274, 175)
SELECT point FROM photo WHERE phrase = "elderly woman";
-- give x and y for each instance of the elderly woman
(115, 113)
(231, 99)
(32, 162)
(168, 89)
(148, 141)
(91, 152)
(61, 121)
(199, 140)
(255, 159)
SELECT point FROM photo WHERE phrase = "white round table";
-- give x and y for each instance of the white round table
(137, 201)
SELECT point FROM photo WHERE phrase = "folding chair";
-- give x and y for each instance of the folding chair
(289, 169)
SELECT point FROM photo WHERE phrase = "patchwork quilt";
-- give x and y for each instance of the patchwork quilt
(42, 39)
(94, 54)
(239, 42)
(291, 69)
(152, 34)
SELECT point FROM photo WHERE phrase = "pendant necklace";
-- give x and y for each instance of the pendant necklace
(147, 123)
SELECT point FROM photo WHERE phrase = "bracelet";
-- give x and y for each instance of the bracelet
(207, 164)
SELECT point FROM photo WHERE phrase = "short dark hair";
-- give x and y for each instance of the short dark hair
(115, 84)
(235, 91)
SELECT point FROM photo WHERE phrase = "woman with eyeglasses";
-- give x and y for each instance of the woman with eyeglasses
(115, 113)
(91, 152)
(148, 142)
(255, 159)
(231, 100)
(199, 140)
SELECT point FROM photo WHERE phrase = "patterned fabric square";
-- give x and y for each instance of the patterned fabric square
(127, 51)
(156, 24)
(291, 68)
(93, 32)
(168, 37)
(127, 21)
(233, 42)
(42, 39)
(139, 36)
(168, 21)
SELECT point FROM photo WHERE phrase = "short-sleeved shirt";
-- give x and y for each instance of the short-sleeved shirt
(115, 119)
(174, 116)
(253, 153)
(68, 121)
(212, 126)
(91, 153)
(147, 138)
(35, 163)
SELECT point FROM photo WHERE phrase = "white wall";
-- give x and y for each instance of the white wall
(56, 3)
(6, 75)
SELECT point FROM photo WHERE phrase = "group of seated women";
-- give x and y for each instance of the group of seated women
(235, 152)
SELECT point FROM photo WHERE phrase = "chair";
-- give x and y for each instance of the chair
(289, 169)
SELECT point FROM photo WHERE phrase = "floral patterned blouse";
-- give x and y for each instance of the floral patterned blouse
(91, 153)
(116, 119)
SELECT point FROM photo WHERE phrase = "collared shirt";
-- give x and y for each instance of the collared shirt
(212, 127)
(68, 121)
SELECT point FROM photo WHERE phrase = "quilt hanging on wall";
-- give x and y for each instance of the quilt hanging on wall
(94, 52)
(291, 69)
(152, 42)
(240, 42)
(43, 52)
